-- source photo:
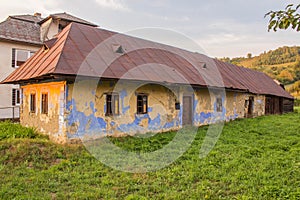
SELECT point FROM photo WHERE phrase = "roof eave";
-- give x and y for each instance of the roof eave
(38, 44)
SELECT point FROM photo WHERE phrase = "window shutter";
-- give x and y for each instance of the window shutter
(13, 60)
(13, 99)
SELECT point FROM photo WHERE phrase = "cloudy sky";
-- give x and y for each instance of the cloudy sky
(218, 28)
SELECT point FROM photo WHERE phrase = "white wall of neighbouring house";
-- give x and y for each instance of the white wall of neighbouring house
(7, 110)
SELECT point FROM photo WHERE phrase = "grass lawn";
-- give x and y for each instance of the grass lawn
(253, 159)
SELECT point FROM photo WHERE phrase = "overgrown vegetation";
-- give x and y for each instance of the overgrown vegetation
(14, 130)
(282, 64)
(253, 159)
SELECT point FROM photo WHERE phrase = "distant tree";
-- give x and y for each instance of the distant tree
(249, 55)
(283, 19)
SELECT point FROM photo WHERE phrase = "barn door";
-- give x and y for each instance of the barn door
(187, 111)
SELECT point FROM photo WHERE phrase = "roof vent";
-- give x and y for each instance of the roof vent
(117, 48)
(202, 64)
(37, 14)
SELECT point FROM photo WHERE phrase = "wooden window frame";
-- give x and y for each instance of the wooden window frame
(142, 103)
(112, 104)
(44, 103)
(32, 99)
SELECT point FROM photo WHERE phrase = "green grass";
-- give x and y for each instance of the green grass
(14, 130)
(253, 159)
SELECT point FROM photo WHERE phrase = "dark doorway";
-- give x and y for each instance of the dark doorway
(250, 107)
(187, 111)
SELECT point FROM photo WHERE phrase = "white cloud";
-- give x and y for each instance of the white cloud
(113, 4)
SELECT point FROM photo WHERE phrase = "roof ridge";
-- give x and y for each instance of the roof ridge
(21, 18)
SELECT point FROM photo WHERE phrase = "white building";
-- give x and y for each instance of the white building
(20, 37)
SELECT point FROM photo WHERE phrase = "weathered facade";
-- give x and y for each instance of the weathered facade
(70, 91)
(79, 110)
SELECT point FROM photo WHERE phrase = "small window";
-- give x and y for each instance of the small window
(219, 105)
(19, 57)
(16, 97)
(142, 104)
(112, 104)
(177, 106)
(32, 102)
(44, 106)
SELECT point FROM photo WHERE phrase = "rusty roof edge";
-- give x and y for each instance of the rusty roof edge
(5, 81)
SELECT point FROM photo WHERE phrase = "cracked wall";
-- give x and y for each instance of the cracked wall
(52, 123)
(86, 108)
(77, 110)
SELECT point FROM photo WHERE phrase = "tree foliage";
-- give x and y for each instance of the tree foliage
(283, 19)
(282, 64)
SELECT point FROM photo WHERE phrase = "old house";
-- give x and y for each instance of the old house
(20, 37)
(89, 82)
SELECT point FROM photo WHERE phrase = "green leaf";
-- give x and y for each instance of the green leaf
(288, 6)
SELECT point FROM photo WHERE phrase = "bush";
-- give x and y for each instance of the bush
(14, 130)
(297, 102)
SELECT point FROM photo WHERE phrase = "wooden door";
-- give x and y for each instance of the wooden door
(187, 115)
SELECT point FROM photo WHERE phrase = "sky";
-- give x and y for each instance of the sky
(217, 28)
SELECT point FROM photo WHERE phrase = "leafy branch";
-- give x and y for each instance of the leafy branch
(284, 19)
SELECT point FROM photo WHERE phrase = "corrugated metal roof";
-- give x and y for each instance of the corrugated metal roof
(88, 51)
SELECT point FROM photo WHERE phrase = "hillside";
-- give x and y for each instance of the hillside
(282, 64)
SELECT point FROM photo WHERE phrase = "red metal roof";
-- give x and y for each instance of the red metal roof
(89, 51)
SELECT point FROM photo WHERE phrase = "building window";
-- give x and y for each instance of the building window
(142, 104)
(112, 104)
(32, 102)
(19, 57)
(44, 105)
(219, 105)
(16, 97)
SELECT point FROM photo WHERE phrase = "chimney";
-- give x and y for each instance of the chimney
(37, 14)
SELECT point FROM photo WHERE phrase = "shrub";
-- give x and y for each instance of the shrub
(14, 130)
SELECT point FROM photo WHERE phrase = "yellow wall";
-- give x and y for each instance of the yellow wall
(51, 124)
(78, 110)
(87, 104)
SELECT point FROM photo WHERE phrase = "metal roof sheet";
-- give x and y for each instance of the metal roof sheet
(89, 51)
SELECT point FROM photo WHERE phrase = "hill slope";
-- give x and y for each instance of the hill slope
(282, 64)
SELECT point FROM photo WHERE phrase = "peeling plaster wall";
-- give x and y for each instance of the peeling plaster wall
(86, 108)
(51, 124)
(78, 110)
(205, 106)
(258, 106)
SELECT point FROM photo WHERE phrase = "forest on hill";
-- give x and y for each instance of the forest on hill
(282, 64)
